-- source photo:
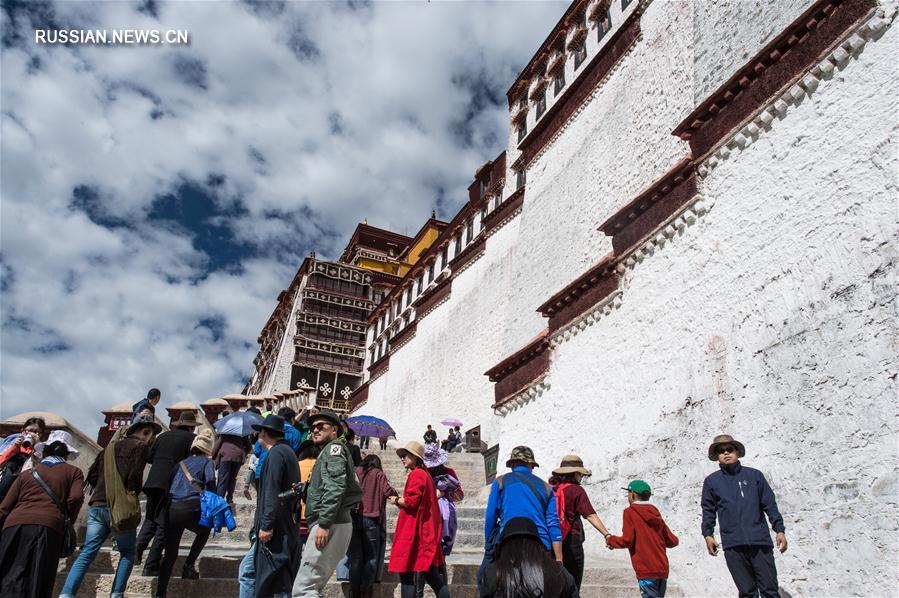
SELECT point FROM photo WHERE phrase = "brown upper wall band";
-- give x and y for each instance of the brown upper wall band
(775, 67)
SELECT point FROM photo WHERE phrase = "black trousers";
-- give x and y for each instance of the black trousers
(227, 479)
(573, 557)
(151, 529)
(29, 555)
(753, 571)
(412, 585)
(181, 516)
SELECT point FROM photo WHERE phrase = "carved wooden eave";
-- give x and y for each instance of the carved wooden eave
(519, 163)
(557, 61)
(539, 87)
(519, 113)
(598, 10)
(579, 91)
(577, 36)
(652, 207)
(773, 68)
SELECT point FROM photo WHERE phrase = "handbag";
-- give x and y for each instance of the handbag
(123, 504)
(69, 539)
(198, 487)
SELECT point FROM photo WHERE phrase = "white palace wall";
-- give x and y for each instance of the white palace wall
(771, 316)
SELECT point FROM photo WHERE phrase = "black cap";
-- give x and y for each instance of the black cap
(271, 422)
(328, 416)
(519, 526)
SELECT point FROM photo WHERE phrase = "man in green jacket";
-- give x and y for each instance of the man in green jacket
(332, 494)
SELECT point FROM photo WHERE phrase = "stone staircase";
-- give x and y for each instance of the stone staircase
(218, 566)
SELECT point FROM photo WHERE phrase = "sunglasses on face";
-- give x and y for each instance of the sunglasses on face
(321, 426)
(726, 449)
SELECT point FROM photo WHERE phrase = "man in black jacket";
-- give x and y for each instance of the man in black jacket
(169, 449)
(277, 547)
(740, 497)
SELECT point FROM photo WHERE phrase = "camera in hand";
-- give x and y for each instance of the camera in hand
(27, 441)
(297, 491)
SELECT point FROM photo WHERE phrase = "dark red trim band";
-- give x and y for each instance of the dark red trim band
(514, 373)
(402, 337)
(431, 298)
(468, 254)
(359, 397)
(654, 206)
(504, 210)
(379, 367)
(584, 292)
(770, 71)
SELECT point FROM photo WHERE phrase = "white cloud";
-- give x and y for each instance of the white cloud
(94, 314)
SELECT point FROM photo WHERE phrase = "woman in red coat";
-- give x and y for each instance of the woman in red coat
(416, 553)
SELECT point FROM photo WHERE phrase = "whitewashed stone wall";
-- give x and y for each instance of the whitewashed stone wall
(772, 317)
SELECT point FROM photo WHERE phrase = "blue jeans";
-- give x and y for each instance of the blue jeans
(98, 529)
(246, 575)
(653, 588)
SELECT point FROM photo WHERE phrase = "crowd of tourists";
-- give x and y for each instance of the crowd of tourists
(321, 509)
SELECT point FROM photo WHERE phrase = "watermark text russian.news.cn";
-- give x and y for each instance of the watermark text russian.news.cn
(137, 37)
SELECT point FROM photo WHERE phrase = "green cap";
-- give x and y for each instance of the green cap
(638, 486)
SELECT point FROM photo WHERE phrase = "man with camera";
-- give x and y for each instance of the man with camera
(277, 547)
(332, 494)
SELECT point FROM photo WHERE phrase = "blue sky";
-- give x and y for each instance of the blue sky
(155, 199)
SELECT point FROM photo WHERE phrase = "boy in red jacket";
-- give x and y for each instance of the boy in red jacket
(646, 536)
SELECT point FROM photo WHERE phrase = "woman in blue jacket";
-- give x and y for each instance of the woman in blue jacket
(190, 478)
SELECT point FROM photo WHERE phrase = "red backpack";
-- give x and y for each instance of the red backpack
(564, 522)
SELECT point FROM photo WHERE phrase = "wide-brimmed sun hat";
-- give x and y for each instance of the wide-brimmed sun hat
(187, 418)
(571, 464)
(725, 439)
(523, 454)
(141, 421)
(271, 422)
(434, 455)
(416, 449)
(59, 436)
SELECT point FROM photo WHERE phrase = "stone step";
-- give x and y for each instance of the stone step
(225, 565)
(99, 585)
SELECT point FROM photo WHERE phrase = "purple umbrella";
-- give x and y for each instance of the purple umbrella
(451, 422)
(367, 425)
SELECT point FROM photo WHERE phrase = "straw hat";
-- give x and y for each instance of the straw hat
(187, 418)
(204, 442)
(725, 439)
(571, 464)
(416, 449)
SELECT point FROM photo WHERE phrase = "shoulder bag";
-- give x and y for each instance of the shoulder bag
(69, 539)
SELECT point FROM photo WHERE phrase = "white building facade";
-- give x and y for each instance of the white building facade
(696, 236)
